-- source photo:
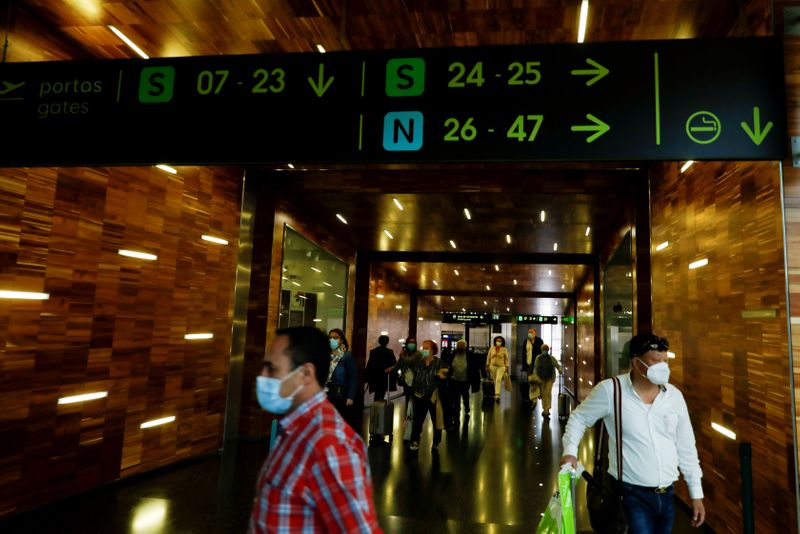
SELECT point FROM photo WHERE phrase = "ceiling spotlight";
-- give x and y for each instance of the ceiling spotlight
(662, 246)
(403, 268)
(508, 309)
(588, 229)
(452, 297)
(326, 284)
(488, 287)
(467, 214)
(549, 272)
(563, 286)
(390, 236)
(339, 216)
(315, 270)
(379, 295)
(128, 42)
(508, 238)
(686, 166)
(290, 165)
(435, 283)
(167, 168)
(555, 246)
(484, 303)
(542, 216)
(452, 243)
(397, 203)
(496, 267)
(582, 23)
(511, 300)
(515, 282)
(456, 271)
(321, 49)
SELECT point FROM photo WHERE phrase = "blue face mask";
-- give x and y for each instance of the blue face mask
(268, 391)
(334, 343)
(411, 347)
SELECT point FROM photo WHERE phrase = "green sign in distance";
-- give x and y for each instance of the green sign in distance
(650, 100)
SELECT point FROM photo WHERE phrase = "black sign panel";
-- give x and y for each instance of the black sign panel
(647, 100)
(538, 319)
(475, 317)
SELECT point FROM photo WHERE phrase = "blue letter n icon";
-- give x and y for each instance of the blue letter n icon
(402, 130)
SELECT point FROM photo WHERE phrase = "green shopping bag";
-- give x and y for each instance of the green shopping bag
(551, 520)
(566, 491)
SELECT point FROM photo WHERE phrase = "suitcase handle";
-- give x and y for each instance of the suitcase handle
(388, 385)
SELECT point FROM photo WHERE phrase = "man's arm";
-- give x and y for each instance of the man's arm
(342, 490)
(688, 461)
(556, 364)
(596, 406)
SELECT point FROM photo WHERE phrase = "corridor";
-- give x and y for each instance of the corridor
(494, 474)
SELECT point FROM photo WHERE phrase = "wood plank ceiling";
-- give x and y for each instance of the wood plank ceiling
(434, 203)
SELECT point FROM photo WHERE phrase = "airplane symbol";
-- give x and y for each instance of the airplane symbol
(7, 87)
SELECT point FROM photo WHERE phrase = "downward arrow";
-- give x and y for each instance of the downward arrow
(599, 71)
(756, 135)
(599, 127)
(321, 86)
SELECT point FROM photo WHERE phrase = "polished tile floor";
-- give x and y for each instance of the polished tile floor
(493, 474)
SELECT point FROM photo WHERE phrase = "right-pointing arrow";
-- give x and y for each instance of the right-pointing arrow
(599, 128)
(756, 134)
(598, 72)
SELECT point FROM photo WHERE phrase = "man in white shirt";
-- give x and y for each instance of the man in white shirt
(657, 438)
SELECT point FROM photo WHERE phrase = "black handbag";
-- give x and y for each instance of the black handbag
(603, 494)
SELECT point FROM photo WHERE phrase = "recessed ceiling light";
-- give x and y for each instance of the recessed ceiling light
(200, 335)
(463, 309)
(339, 216)
(397, 203)
(83, 398)
(549, 272)
(317, 320)
(515, 282)
(403, 268)
(398, 306)
(555, 246)
(699, 263)
(379, 295)
(662, 246)
(488, 287)
(157, 422)
(295, 283)
(435, 324)
(128, 42)
(390, 236)
(302, 297)
(456, 271)
(326, 284)
(23, 295)
(452, 297)
(562, 286)
(167, 168)
(508, 309)
(321, 49)
(588, 230)
(290, 165)
(315, 270)
(435, 283)
(452, 243)
(686, 166)
(508, 238)
(728, 433)
(484, 303)
(420, 319)
(338, 295)
(510, 300)
(542, 216)
(467, 214)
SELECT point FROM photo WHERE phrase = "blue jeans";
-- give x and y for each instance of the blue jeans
(648, 512)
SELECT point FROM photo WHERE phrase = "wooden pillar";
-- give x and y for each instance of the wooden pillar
(358, 344)
(412, 315)
(641, 256)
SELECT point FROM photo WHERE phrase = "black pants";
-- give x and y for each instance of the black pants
(422, 406)
(380, 392)
(461, 394)
(344, 410)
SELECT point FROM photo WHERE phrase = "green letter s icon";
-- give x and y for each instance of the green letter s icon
(405, 77)
(156, 84)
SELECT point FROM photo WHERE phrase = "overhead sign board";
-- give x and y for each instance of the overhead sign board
(538, 319)
(475, 317)
(644, 100)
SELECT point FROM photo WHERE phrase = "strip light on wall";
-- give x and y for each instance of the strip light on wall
(139, 255)
(212, 239)
(699, 263)
(83, 398)
(724, 431)
(583, 19)
(128, 42)
(199, 335)
(167, 168)
(157, 422)
(23, 295)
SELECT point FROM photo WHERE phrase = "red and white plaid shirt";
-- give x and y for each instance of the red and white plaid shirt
(316, 477)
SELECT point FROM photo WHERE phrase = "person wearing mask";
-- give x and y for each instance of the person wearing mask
(342, 381)
(657, 439)
(533, 348)
(427, 374)
(380, 358)
(408, 360)
(317, 476)
(544, 369)
(459, 376)
(497, 364)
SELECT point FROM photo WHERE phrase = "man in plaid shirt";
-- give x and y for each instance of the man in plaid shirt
(316, 477)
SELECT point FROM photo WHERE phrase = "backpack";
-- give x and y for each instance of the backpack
(544, 367)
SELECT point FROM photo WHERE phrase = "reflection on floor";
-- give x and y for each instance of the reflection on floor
(493, 474)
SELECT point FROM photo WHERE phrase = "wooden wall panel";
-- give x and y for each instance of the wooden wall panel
(581, 378)
(732, 371)
(111, 324)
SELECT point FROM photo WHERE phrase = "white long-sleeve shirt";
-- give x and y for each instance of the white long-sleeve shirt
(657, 438)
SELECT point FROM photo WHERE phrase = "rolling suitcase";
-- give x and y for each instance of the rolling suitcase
(564, 401)
(487, 387)
(381, 418)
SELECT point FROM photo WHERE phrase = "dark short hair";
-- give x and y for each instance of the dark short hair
(383, 341)
(341, 336)
(501, 338)
(308, 345)
(642, 343)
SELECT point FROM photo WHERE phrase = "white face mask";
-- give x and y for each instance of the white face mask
(658, 373)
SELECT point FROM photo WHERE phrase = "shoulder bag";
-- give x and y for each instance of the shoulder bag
(603, 495)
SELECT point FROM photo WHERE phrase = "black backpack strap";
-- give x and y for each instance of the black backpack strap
(618, 424)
